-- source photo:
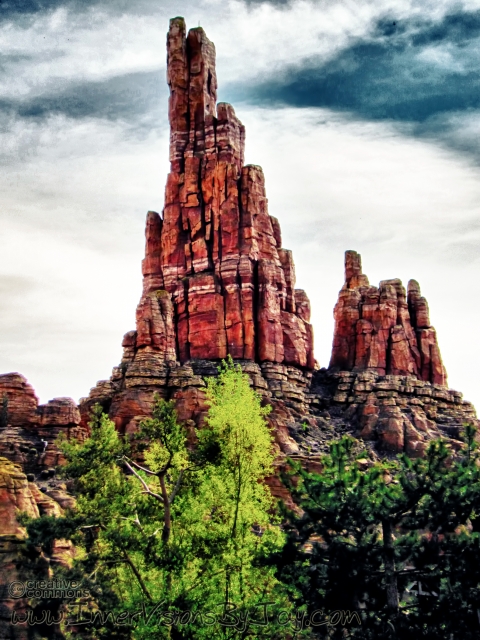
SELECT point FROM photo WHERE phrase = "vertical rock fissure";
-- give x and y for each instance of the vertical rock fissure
(388, 355)
(255, 304)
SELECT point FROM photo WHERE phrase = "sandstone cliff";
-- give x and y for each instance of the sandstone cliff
(217, 281)
(29, 433)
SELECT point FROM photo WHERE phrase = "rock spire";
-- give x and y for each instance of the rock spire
(384, 329)
(216, 280)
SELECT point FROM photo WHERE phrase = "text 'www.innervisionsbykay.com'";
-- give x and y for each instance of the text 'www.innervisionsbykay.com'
(230, 615)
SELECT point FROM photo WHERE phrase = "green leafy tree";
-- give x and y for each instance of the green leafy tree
(167, 459)
(168, 530)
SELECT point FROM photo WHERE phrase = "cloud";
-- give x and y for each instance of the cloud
(128, 97)
(13, 287)
(413, 71)
(84, 154)
(18, 9)
(409, 207)
(459, 131)
(388, 75)
(276, 3)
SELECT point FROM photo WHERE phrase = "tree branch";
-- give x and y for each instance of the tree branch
(151, 473)
(145, 485)
(176, 488)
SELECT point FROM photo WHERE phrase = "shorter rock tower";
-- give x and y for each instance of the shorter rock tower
(384, 329)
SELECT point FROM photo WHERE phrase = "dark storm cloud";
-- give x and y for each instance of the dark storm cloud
(26, 10)
(19, 7)
(410, 71)
(18, 10)
(128, 97)
(14, 58)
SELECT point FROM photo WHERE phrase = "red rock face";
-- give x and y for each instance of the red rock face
(215, 278)
(28, 431)
(383, 329)
(22, 402)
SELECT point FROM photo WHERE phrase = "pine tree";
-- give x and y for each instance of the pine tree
(397, 542)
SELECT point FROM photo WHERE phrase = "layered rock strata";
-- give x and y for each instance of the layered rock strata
(392, 413)
(28, 484)
(29, 430)
(216, 280)
(384, 329)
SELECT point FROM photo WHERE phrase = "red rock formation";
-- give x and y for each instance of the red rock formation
(22, 403)
(28, 431)
(378, 329)
(216, 280)
(18, 495)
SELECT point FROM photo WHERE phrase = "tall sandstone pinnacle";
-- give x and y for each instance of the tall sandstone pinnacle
(384, 329)
(216, 280)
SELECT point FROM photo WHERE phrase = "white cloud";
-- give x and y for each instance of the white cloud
(72, 230)
(97, 44)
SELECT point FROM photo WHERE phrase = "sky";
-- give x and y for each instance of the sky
(364, 116)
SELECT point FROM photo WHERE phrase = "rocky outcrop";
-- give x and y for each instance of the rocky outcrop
(393, 414)
(18, 400)
(18, 495)
(28, 431)
(384, 329)
(216, 280)
(28, 455)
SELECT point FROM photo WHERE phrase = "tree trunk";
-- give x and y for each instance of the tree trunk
(389, 562)
(167, 520)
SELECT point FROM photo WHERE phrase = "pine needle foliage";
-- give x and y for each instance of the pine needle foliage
(395, 541)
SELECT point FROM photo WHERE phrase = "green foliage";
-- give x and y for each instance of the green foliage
(164, 439)
(397, 541)
(166, 527)
(218, 512)
(236, 428)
